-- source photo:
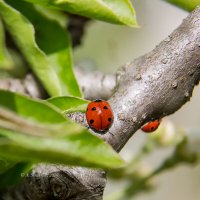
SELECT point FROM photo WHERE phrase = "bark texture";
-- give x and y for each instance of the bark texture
(27, 86)
(55, 182)
(158, 83)
(104, 83)
(153, 86)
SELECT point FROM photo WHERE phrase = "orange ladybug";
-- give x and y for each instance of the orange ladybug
(99, 116)
(151, 126)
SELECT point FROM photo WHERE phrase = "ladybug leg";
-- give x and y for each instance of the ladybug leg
(88, 128)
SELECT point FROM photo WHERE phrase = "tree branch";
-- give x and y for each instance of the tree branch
(153, 86)
(48, 182)
(27, 86)
(158, 83)
(104, 83)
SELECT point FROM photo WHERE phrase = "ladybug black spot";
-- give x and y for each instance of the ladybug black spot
(110, 119)
(105, 107)
(152, 128)
(91, 121)
(94, 108)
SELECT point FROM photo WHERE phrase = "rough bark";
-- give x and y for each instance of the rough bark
(158, 83)
(27, 86)
(51, 182)
(153, 86)
(104, 83)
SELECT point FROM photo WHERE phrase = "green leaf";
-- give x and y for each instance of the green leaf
(53, 14)
(22, 113)
(33, 127)
(23, 33)
(118, 11)
(53, 39)
(5, 59)
(13, 122)
(14, 174)
(54, 68)
(29, 108)
(24, 108)
(11, 171)
(69, 104)
(11, 63)
(81, 149)
(186, 4)
(5, 165)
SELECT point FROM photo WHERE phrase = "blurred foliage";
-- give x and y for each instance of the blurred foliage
(68, 104)
(14, 174)
(140, 177)
(51, 62)
(5, 59)
(118, 11)
(188, 5)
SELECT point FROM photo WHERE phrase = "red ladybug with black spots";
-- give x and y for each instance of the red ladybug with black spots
(151, 126)
(99, 116)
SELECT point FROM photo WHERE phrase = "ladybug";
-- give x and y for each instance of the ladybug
(99, 116)
(151, 126)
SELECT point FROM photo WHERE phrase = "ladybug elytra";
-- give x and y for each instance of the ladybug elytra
(151, 126)
(99, 116)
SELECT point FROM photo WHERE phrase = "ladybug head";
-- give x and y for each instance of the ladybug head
(98, 100)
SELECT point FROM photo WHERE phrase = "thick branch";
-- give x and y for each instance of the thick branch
(158, 83)
(27, 86)
(59, 182)
(104, 83)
